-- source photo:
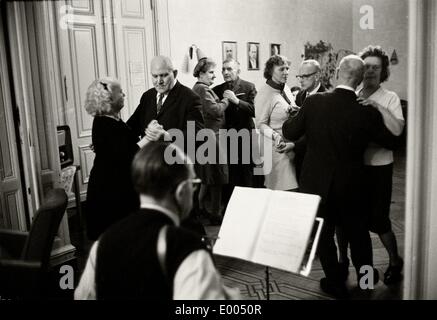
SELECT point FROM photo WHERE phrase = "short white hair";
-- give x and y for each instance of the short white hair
(162, 62)
(313, 63)
(99, 100)
(232, 60)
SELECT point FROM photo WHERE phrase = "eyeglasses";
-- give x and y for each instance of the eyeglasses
(195, 182)
(305, 76)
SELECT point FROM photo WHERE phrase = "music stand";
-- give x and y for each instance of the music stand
(267, 283)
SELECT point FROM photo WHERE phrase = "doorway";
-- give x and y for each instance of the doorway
(101, 39)
(13, 203)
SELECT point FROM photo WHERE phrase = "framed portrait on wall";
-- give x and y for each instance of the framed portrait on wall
(253, 56)
(229, 50)
(275, 49)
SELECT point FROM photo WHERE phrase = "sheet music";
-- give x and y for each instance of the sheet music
(242, 223)
(268, 227)
(286, 230)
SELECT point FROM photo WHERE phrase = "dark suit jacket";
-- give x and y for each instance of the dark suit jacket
(300, 97)
(300, 145)
(239, 116)
(338, 130)
(181, 105)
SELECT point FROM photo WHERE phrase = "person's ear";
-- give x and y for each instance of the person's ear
(175, 73)
(181, 192)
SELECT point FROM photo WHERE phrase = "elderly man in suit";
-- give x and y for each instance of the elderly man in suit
(239, 115)
(168, 105)
(338, 130)
(309, 79)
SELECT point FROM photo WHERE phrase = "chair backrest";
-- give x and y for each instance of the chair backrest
(45, 225)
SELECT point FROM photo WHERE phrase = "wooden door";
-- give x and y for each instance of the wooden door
(84, 59)
(102, 38)
(12, 207)
(134, 43)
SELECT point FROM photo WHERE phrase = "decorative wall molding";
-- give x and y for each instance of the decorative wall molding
(135, 64)
(85, 67)
(132, 9)
(84, 7)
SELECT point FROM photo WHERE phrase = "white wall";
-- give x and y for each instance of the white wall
(390, 32)
(292, 23)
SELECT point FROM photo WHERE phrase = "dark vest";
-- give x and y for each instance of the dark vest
(127, 265)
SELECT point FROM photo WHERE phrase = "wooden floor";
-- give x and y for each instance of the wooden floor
(250, 278)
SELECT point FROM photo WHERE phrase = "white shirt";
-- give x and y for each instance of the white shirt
(341, 86)
(376, 155)
(195, 279)
(165, 94)
(314, 91)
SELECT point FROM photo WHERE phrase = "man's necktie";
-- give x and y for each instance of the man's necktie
(159, 105)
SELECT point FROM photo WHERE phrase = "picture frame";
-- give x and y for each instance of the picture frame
(229, 50)
(253, 55)
(275, 49)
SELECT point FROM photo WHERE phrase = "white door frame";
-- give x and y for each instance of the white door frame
(162, 27)
(421, 202)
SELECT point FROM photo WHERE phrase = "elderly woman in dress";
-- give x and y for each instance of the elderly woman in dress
(274, 103)
(214, 175)
(110, 195)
